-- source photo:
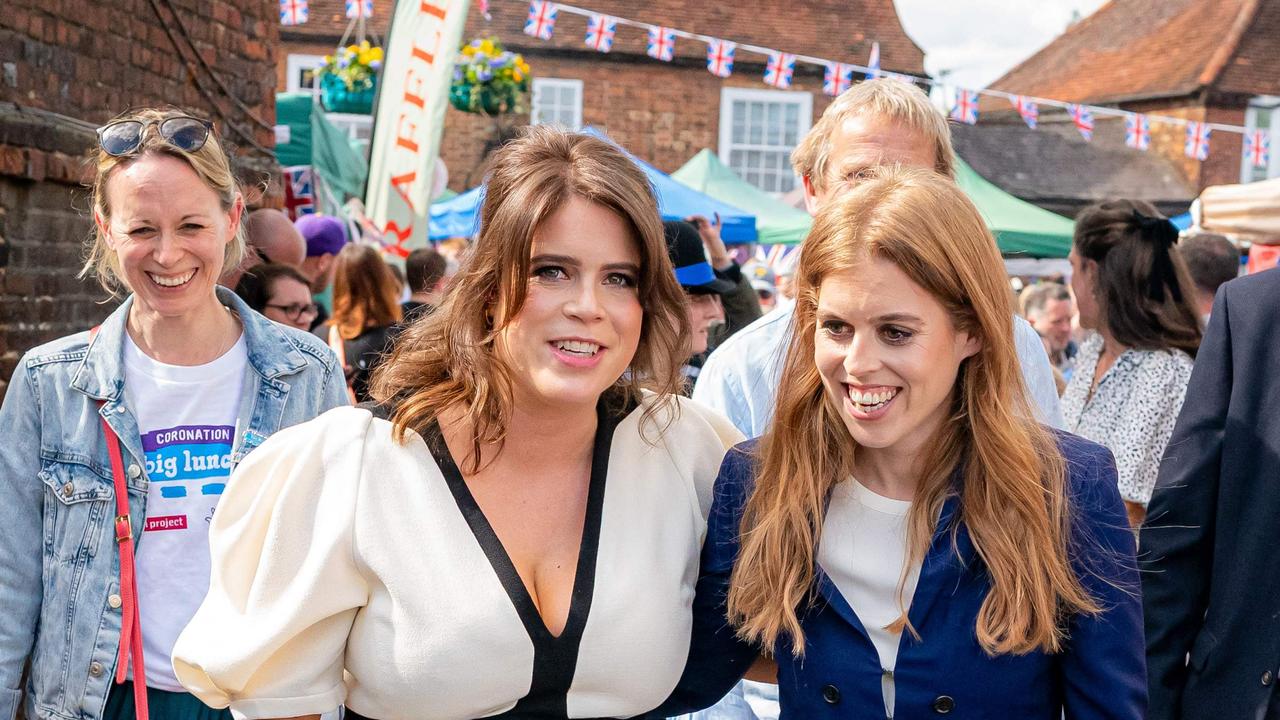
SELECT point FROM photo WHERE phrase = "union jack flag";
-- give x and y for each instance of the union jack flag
(775, 256)
(1082, 119)
(293, 12)
(542, 19)
(662, 43)
(873, 63)
(1028, 109)
(720, 57)
(359, 8)
(779, 70)
(299, 195)
(966, 109)
(1137, 132)
(600, 32)
(839, 78)
(1257, 148)
(1197, 145)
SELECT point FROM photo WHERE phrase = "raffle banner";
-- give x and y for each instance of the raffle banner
(413, 96)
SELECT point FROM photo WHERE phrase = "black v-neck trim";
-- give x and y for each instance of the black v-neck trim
(555, 658)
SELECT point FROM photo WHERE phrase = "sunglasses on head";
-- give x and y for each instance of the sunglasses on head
(184, 132)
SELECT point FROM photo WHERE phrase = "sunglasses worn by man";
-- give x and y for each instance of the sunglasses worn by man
(184, 132)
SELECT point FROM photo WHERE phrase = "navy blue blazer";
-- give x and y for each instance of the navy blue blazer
(1211, 543)
(1101, 674)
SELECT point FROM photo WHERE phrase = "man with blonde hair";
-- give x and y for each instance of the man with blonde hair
(874, 123)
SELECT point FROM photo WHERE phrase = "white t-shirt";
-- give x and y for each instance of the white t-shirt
(186, 416)
(862, 550)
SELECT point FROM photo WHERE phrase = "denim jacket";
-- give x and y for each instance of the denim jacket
(59, 567)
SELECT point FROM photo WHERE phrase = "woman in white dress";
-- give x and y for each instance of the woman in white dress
(514, 530)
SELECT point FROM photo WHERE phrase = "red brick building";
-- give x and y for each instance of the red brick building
(1213, 61)
(664, 112)
(67, 67)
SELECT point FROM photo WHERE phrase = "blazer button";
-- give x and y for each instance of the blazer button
(95, 668)
(114, 601)
(68, 490)
(134, 471)
(943, 704)
(1267, 677)
(831, 694)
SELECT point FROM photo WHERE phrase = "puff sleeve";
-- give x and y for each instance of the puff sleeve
(270, 637)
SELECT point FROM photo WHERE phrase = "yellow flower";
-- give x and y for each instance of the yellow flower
(468, 51)
(517, 75)
(364, 44)
(376, 53)
(328, 59)
(487, 46)
(363, 57)
(352, 49)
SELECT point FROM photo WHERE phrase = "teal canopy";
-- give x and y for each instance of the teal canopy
(1021, 229)
(316, 142)
(777, 223)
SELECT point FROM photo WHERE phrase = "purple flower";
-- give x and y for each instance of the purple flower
(375, 64)
(457, 73)
(484, 74)
(497, 63)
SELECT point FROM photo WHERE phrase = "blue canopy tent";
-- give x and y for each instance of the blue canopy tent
(460, 215)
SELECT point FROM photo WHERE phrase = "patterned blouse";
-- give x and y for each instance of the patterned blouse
(1132, 411)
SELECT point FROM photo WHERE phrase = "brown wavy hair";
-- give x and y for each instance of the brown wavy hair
(1142, 286)
(449, 360)
(1012, 491)
(365, 293)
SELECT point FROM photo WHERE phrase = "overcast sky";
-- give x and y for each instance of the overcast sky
(978, 40)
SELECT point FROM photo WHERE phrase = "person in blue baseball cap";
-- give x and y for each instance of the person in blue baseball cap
(703, 288)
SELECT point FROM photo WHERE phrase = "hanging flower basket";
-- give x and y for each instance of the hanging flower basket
(349, 79)
(488, 79)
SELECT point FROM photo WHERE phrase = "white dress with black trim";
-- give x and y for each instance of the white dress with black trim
(350, 569)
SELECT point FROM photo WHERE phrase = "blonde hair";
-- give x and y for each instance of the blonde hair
(365, 293)
(893, 100)
(449, 358)
(210, 163)
(1012, 480)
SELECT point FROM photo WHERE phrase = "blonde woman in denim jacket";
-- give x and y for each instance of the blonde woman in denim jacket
(190, 380)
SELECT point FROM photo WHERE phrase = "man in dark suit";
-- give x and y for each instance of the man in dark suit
(1211, 546)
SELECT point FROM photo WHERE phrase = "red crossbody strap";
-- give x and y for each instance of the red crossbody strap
(131, 627)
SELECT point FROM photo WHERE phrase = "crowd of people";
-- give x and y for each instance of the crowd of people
(589, 465)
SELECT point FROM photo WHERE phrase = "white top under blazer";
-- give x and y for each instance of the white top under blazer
(350, 569)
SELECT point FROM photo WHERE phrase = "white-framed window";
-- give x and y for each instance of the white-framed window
(298, 69)
(358, 127)
(1263, 113)
(557, 101)
(758, 131)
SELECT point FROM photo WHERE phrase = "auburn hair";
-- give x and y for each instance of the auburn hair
(365, 293)
(1011, 483)
(449, 358)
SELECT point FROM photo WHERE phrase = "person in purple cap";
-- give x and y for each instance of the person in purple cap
(325, 236)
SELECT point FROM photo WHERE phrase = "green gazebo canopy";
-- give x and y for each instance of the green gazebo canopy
(777, 223)
(1021, 229)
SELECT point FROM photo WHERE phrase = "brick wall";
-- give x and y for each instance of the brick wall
(664, 112)
(66, 67)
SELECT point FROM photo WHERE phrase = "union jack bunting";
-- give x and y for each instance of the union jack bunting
(839, 78)
(966, 109)
(299, 195)
(600, 32)
(1082, 119)
(1137, 132)
(1028, 109)
(662, 43)
(1197, 145)
(873, 63)
(359, 8)
(720, 57)
(774, 256)
(293, 12)
(779, 70)
(542, 19)
(1257, 148)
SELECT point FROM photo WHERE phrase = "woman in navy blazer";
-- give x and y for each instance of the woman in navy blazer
(905, 541)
